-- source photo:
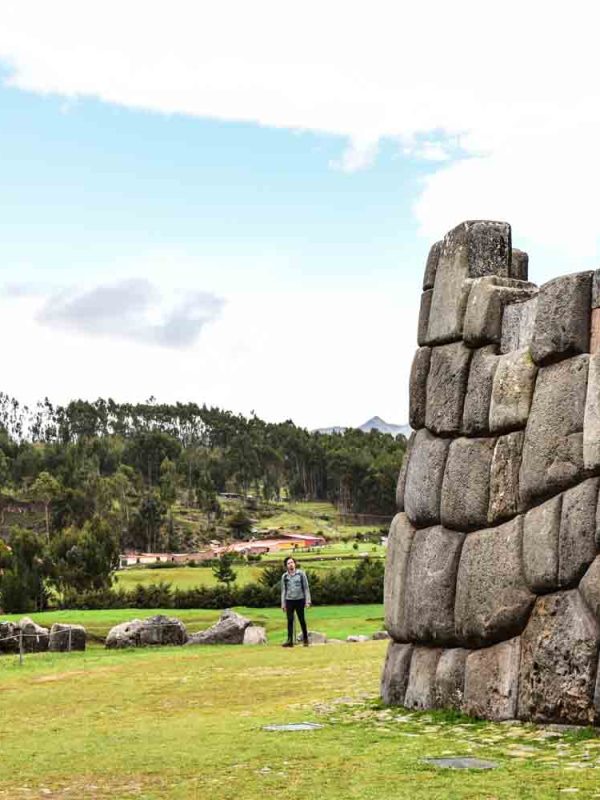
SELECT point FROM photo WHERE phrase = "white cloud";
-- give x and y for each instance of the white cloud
(516, 86)
(284, 355)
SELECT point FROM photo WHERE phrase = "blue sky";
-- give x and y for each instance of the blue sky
(234, 204)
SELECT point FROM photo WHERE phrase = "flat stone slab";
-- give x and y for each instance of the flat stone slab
(460, 763)
(293, 726)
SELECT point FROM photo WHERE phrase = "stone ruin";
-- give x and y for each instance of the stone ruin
(492, 587)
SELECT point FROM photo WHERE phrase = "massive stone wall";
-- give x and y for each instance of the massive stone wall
(492, 587)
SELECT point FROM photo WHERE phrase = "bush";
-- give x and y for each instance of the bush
(361, 584)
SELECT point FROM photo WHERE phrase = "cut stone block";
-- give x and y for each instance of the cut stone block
(471, 250)
(562, 321)
(518, 322)
(466, 486)
(394, 678)
(519, 266)
(431, 584)
(541, 530)
(512, 391)
(424, 312)
(504, 477)
(487, 299)
(446, 388)
(596, 289)
(64, 638)
(553, 447)
(418, 387)
(398, 550)
(450, 678)
(591, 420)
(595, 331)
(558, 661)
(431, 266)
(401, 484)
(577, 539)
(492, 599)
(590, 588)
(425, 474)
(476, 409)
(420, 692)
(492, 681)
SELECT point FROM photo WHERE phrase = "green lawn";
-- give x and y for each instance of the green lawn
(337, 622)
(186, 724)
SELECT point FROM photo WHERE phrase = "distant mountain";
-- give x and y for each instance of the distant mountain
(375, 423)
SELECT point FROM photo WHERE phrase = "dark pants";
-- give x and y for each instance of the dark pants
(298, 607)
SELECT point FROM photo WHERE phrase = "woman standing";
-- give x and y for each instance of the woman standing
(295, 597)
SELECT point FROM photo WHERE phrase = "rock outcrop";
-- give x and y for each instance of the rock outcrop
(492, 585)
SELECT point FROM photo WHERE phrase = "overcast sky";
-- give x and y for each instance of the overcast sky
(232, 202)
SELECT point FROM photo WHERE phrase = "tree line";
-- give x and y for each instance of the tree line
(108, 476)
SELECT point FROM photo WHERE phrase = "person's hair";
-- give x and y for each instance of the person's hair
(289, 558)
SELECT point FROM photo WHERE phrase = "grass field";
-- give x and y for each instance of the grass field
(186, 724)
(337, 622)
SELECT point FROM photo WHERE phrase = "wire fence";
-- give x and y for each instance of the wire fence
(19, 637)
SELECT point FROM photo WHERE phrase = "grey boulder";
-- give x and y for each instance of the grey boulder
(35, 637)
(255, 634)
(64, 638)
(155, 630)
(230, 629)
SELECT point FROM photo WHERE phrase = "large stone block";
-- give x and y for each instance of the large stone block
(577, 540)
(446, 388)
(562, 320)
(420, 692)
(401, 483)
(553, 447)
(431, 266)
(65, 638)
(518, 322)
(512, 391)
(485, 306)
(35, 638)
(424, 312)
(492, 599)
(394, 678)
(590, 588)
(423, 492)
(492, 681)
(431, 585)
(558, 661)
(418, 387)
(541, 530)
(476, 411)
(471, 250)
(595, 331)
(466, 486)
(450, 678)
(504, 477)
(591, 420)
(398, 550)
(519, 265)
